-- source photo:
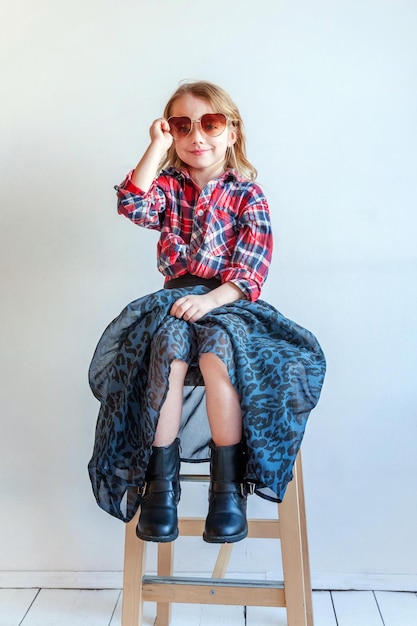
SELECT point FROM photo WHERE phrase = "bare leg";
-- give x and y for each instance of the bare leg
(170, 416)
(226, 518)
(223, 406)
(158, 519)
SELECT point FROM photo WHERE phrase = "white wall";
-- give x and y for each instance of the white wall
(328, 93)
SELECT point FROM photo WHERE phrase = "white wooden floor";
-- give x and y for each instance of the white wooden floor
(72, 607)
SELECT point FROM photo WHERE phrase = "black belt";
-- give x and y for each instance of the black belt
(189, 280)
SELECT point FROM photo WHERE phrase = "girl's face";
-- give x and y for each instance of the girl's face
(203, 155)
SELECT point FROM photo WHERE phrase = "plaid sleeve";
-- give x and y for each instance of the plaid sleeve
(251, 258)
(142, 208)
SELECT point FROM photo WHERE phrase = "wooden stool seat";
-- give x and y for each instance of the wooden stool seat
(293, 593)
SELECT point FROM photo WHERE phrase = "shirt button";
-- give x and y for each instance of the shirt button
(200, 212)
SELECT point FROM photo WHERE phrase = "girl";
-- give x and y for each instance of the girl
(206, 332)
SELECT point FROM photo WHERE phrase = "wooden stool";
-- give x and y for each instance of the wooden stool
(294, 593)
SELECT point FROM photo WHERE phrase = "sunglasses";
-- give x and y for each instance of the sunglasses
(212, 124)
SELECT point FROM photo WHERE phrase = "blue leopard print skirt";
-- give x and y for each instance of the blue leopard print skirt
(277, 369)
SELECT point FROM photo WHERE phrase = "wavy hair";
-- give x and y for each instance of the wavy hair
(235, 157)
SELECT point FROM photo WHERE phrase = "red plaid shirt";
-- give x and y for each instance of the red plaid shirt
(223, 230)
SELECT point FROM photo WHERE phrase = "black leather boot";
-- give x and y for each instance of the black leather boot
(158, 519)
(226, 519)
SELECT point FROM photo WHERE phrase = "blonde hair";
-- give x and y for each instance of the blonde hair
(221, 102)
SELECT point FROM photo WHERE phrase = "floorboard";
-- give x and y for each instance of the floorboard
(397, 608)
(14, 604)
(356, 608)
(148, 618)
(72, 607)
(265, 615)
(323, 610)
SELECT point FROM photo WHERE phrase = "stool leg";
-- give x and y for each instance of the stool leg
(222, 561)
(304, 539)
(165, 568)
(294, 551)
(134, 567)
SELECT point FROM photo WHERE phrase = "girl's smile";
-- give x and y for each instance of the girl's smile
(198, 152)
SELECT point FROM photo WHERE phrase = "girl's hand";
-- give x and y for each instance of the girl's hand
(191, 308)
(159, 133)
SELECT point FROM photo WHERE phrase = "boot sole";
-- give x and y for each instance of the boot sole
(163, 539)
(225, 538)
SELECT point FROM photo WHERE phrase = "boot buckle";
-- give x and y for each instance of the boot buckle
(247, 488)
(142, 490)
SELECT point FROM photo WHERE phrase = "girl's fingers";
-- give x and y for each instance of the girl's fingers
(160, 128)
(176, 309)
(181, 307)
(164, 125)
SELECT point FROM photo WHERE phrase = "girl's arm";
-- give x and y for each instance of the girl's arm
(252, 251)
(146, 169)
(138, 200)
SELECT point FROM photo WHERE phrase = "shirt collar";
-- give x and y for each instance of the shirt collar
(182, 175)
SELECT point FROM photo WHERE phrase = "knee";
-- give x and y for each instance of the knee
(210, 364)
(178, 369)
